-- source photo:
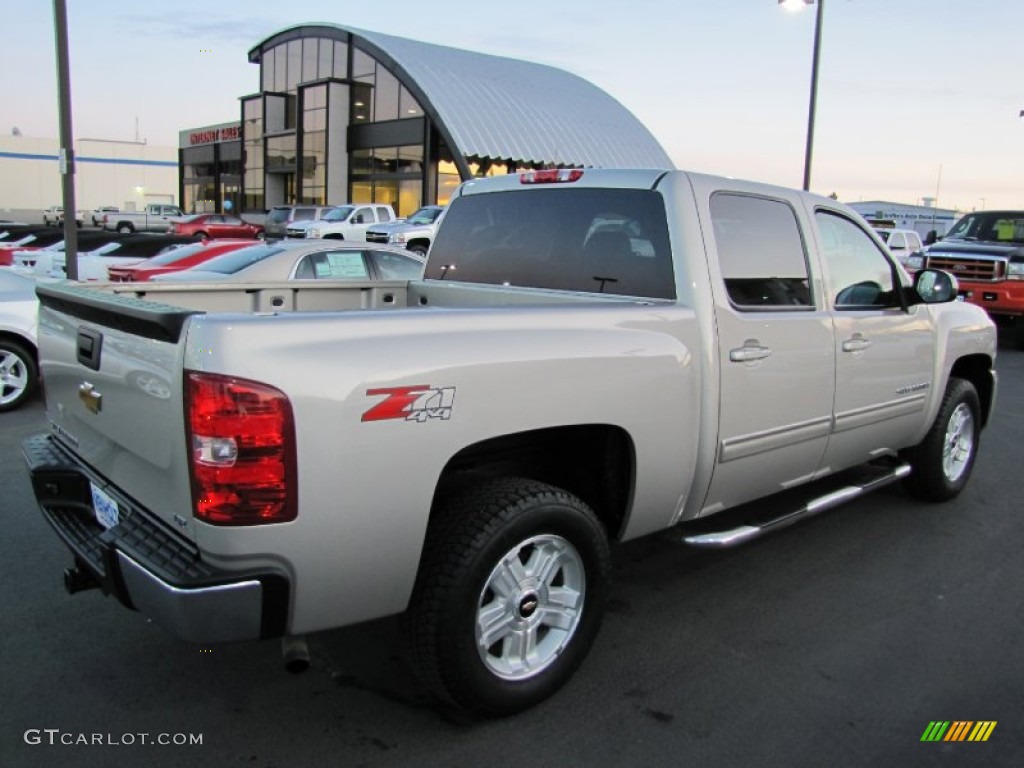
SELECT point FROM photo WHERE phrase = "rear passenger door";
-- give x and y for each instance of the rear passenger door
(776, 351)
(884, 351)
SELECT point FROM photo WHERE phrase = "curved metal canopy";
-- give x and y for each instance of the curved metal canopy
(507, 109)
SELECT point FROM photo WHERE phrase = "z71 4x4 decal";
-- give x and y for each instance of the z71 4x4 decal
(418, 402)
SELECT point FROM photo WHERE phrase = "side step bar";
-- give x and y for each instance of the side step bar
(744, 533)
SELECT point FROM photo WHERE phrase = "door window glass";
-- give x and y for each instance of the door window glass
(761, 252)
(859, 274)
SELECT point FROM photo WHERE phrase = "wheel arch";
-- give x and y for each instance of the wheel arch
(23, 341)
(977, 369)
(595, 462)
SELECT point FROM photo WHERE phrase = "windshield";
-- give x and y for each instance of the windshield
(229, 263)
(424, 216)
(338, 214)
(996, 227)
(278, 214)
(586, 239)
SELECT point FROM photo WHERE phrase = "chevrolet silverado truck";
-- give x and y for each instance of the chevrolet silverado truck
(985, 251)
(344, 222)
(414, 233)
(155, 218)
(592, 356)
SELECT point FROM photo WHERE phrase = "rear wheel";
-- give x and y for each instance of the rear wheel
(19, 374)
(943, 461)
(510, 595)
(125, 228)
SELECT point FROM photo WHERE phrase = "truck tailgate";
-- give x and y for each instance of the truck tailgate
(112, 370)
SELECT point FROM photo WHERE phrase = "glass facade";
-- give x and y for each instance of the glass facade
(331, 125)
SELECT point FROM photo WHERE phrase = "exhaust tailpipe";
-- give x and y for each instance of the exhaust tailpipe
(296, 653)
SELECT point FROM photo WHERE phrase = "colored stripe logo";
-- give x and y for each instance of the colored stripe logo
(959, 730)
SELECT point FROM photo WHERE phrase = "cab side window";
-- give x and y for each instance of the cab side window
(859, 275)
(761, 253)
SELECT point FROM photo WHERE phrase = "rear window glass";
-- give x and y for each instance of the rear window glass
(591, 240)
(229, 263)
(175, 255)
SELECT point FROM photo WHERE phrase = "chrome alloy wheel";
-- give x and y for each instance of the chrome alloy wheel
(959, 443)
(13, 376)
(530, 607)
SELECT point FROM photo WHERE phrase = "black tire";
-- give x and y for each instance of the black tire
(19, 375)
(476, 533)
(125, 228)
(943, 461)
(202, 236)
(419, 248)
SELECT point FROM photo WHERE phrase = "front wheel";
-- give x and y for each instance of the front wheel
(19, 375)
(510, 595)
(943, 461)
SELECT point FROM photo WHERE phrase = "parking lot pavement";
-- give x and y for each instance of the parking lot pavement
(833, 643)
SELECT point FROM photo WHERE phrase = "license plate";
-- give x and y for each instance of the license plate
(104, 507)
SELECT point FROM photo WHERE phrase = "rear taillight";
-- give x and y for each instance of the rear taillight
(241, 438)
(552, 176)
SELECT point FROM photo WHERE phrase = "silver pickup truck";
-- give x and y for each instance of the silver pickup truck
(154, 218)
(593, 356)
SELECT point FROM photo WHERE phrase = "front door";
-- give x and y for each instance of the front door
(885, 353)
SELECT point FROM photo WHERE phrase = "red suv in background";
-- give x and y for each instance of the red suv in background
(215, 225)
(174, 261)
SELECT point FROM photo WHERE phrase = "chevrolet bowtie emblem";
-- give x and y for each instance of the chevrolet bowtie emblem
(92, 399)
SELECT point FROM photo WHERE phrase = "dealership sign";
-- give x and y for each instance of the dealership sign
(212, 135)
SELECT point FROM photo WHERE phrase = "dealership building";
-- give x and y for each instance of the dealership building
(347, 115)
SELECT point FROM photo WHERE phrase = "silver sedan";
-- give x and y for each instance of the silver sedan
(324, 260)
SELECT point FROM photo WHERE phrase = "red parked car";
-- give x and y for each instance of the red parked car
(172, 261)
(215, 225)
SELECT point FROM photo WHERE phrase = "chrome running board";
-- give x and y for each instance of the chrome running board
(741, 534)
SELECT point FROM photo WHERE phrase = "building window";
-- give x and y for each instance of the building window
(253, 198)
(281, 153)
(314, 145)
(407, 105)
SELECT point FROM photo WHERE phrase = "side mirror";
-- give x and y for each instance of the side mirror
(933, 286)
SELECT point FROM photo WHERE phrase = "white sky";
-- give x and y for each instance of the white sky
(915, 96)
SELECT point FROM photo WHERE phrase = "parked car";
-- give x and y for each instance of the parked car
(153, 219)
(129, 249)
(26, 259)
(214, 225)
(305, 261)
(19, 370)
(901, 242)
(280, 216)
(174, 260)
(54, 216)
(594, 355)
(98, 213)
(985, 251)
(31, 241)
(415, 232)
(346, 222)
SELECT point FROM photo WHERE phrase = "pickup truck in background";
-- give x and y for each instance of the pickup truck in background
(155, 218)
(343, 222)
(54, 217)
(985, 251)
(593, 356)
(415, 232)
(901, 242)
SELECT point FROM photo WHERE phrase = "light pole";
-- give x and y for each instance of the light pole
(794, 5)
(67, 147)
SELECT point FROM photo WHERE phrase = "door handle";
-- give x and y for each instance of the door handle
(856, 344)
(750, 351)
